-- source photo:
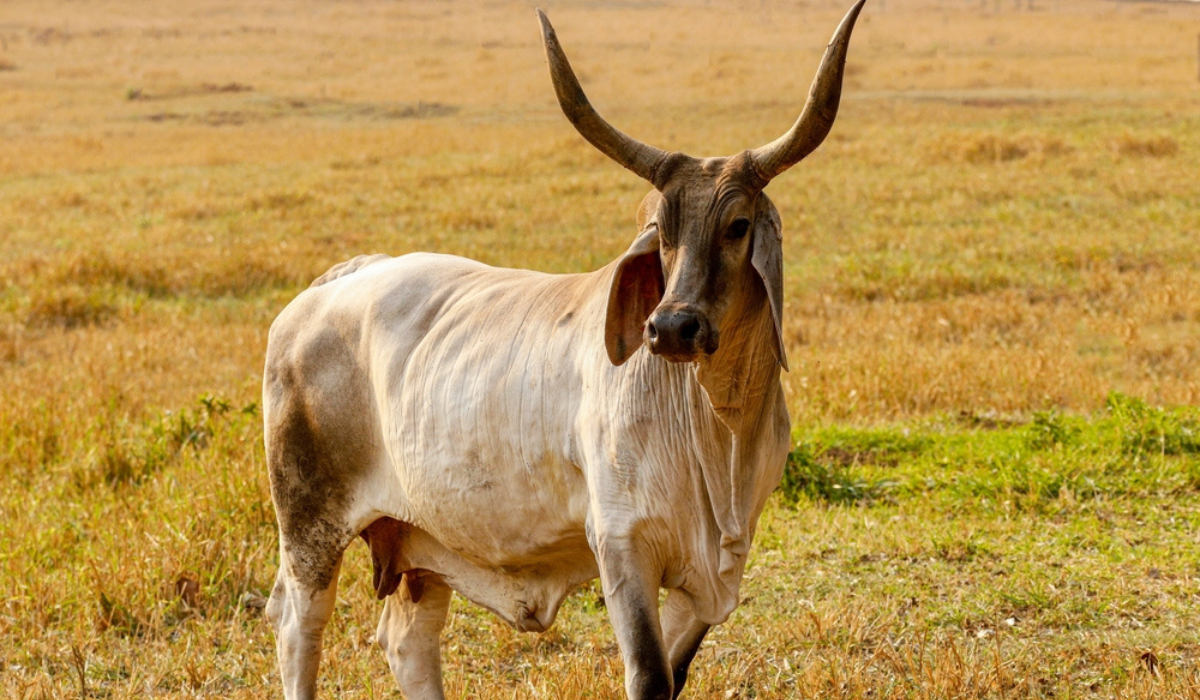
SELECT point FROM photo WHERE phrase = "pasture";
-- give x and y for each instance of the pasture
(992, 318)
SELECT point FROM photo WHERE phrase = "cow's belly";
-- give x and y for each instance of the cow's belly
(505, 537)
(498, 512)
(528, 597)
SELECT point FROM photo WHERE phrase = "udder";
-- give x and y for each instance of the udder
(525, 594)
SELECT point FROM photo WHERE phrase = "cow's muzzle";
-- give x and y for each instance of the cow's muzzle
(680, 333)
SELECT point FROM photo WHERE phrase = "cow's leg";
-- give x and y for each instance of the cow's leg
(314, 475)
(630, 581)
(683, 634)
(410, 632)
(299, 611)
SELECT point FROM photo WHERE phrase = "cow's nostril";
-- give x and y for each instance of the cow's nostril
(689, 330)
(651, 331)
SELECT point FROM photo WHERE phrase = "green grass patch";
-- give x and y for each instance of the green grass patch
(1129, 449)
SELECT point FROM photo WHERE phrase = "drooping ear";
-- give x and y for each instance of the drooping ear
(637, 288)
(767, 259)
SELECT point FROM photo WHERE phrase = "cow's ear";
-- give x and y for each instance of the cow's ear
(767, 259)
(647, 211)
(636, 289)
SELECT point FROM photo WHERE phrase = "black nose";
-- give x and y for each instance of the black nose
(680, 333)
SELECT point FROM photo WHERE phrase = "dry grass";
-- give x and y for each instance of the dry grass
(1153, 146)
(1004, 221)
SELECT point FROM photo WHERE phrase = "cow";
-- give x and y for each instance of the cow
(510, 435)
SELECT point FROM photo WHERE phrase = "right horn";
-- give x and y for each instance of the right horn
(639, 157)
(819, 111)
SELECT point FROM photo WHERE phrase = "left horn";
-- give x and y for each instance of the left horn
(641, 158)
(819, 111)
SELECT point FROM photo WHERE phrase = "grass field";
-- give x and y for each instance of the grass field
(993, 288)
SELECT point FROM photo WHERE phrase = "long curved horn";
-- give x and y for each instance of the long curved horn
(819, 111)
(641, 158)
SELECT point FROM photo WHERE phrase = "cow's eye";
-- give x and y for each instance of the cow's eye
(738, 229)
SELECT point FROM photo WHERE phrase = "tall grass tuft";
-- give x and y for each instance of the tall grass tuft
(1145, 146)
(1151, 430)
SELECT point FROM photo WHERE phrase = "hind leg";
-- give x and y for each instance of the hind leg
(410, 632)
(299, 614)
(314, 484)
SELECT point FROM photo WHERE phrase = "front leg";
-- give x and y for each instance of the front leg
(683, 634)
(630, 580)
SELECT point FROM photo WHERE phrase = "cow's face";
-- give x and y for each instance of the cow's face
(709, 249)
(708, 257)
(711, 217)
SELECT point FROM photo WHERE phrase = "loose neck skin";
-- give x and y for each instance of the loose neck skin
(742, 382)
(743, 388)
(741, 376)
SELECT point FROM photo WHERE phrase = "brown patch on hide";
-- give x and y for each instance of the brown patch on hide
(314, 460)
(310, 498)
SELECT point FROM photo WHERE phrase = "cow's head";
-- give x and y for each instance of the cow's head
(709, 250)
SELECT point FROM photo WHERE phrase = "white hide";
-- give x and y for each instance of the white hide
(504, 434)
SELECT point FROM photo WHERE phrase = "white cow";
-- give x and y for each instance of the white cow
(510, 435)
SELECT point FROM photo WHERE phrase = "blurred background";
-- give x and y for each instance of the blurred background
(1004, 222)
